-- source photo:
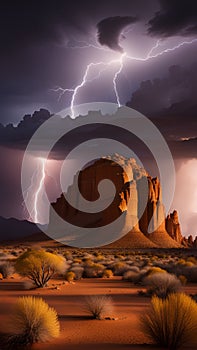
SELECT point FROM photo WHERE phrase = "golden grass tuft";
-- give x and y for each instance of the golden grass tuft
(33, 321)
(171, 322)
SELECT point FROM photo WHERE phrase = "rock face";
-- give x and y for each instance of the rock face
(173, 227)
(137, 194)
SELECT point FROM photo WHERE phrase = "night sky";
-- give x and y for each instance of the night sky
(48, 44)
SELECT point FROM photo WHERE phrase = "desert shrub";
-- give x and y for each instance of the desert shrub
(192, 259)
(99, 306)
(190, 273)
(77, 261)
(134, 269)
(119, 268)
(183, 280)
(40, 266)
(171, 322)
(6, 269)
(78, 271)
(94, 270)
(131, 276)
(162, 284)
(68, 255)
(99, 257)
(154, 270)
(32, 321)
(107, 273)
(70, 276)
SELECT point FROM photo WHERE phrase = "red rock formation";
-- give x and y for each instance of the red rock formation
(173, 226)
(131, 182)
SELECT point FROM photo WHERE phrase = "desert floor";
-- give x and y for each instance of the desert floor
(78, 330)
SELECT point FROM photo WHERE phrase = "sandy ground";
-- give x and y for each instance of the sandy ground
(78, 331)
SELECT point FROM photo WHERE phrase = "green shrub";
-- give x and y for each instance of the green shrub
(99, 306)
(171, 322)
(162, 284)
(32, 321)
(40, 266)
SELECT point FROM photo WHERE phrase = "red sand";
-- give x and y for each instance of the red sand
(78, 331)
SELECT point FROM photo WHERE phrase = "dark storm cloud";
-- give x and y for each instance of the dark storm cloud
(19, 136)
(174, 110)
(36, 55)
(175, 18)
(110, 29)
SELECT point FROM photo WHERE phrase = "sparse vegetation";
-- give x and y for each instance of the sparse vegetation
(99, 306)
(32, 321)
(39, 266)
(93, 270)
(162, 284)
(171, 322)
(107, 273)
(70, 276)
(6, 269)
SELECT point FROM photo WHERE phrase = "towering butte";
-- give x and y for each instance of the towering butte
(137, 194)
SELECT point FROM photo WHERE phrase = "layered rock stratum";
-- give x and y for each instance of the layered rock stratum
(138, 196)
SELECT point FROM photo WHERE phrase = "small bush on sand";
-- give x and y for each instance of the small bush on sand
(78, 271)
(183, 280)
(154, 270)
(162, 284)
(108, 273)
(119, 268)
(39, 266)
(94, 270)
(70, 276)
(171, 322)
(132, 276)
(6, 269)
(32, 321)
(99, 306)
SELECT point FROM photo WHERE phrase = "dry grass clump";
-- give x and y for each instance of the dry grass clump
(171, 322)
(119, 268)
(132, 276)
(6, 269)
(32, 321)
(107, 273)
(155, 269)
(78, 271)
(99, 306)
(70, 276)
(93, 270)
(162, 284)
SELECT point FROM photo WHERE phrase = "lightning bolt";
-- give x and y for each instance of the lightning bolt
(116, 77)
(39, 189)
(120, 61)
(34, 191)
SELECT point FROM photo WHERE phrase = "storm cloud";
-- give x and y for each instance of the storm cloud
(174, 109)
(175, 18)
(110, 31)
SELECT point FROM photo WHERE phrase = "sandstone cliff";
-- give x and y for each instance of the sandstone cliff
(138, 195)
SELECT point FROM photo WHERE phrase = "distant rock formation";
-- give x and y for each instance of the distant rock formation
(173, 226)
(137, 194)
